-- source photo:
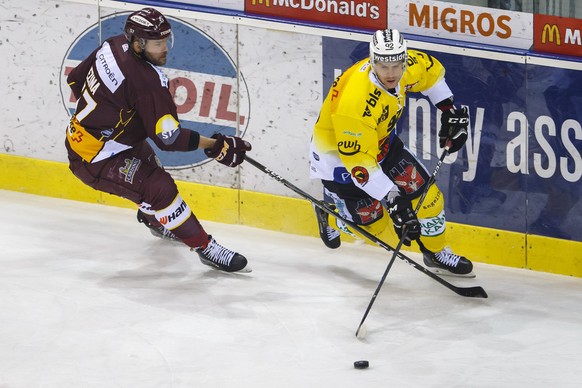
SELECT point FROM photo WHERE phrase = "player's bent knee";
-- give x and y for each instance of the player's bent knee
(159, 190)
(433, 203)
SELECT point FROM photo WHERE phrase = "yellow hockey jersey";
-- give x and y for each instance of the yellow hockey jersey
(358, 117)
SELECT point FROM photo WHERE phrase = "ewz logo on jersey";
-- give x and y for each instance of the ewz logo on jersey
(202, 80)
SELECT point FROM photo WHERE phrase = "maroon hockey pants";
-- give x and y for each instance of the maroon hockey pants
(135, 174)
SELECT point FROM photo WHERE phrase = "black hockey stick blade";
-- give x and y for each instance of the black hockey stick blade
(471, 292)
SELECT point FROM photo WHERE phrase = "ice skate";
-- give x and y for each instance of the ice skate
(445, 262)
(157, 231)
(329, 236)
(221, 258)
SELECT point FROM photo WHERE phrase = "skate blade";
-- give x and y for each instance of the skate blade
(165, 238)
(246, 269)
(444, 272)
(210, 264)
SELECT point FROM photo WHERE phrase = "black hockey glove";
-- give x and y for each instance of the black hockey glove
(228, 150)
(454, 124)
(403, 218)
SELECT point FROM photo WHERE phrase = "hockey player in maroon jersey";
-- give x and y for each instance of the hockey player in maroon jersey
(123, 99)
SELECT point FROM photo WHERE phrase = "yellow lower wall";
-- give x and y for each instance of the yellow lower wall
(265, 211)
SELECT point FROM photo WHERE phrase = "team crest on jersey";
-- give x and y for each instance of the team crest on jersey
(211, 95)
(409, 179)
(369, 210)
(130, 168)
(361, 175)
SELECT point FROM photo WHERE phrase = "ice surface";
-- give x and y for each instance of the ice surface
(88, 298)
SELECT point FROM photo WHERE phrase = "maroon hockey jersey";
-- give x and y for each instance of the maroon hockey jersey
(122, 99)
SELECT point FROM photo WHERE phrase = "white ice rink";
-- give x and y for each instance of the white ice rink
(89, 299)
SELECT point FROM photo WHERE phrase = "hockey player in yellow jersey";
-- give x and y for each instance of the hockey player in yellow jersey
(363, 164)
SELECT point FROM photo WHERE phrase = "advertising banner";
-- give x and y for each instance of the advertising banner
(557, 35)
(521, 168)
(462, 22)
(366, 14)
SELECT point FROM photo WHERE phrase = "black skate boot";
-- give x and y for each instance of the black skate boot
(446, 262)
(221, 258)
(329, 235)
(158, 231)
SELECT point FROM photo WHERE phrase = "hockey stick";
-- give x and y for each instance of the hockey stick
(471, 292)
(431, 180)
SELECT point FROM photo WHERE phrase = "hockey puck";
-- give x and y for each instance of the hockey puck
(362, 364)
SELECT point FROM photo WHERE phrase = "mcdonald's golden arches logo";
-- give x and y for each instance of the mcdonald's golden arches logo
(551, 33)
(266, 2)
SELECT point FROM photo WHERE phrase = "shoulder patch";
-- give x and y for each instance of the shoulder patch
(108, 69)
(167, 128)
(361, 175)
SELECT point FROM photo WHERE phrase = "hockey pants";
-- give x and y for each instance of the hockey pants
(411, 177)
(136, 175)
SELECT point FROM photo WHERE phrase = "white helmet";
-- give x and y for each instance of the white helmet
(388, 46)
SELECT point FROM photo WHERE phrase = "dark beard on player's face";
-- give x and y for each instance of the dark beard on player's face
(161, 61)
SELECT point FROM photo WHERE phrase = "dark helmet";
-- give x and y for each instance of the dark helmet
(147, 23)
